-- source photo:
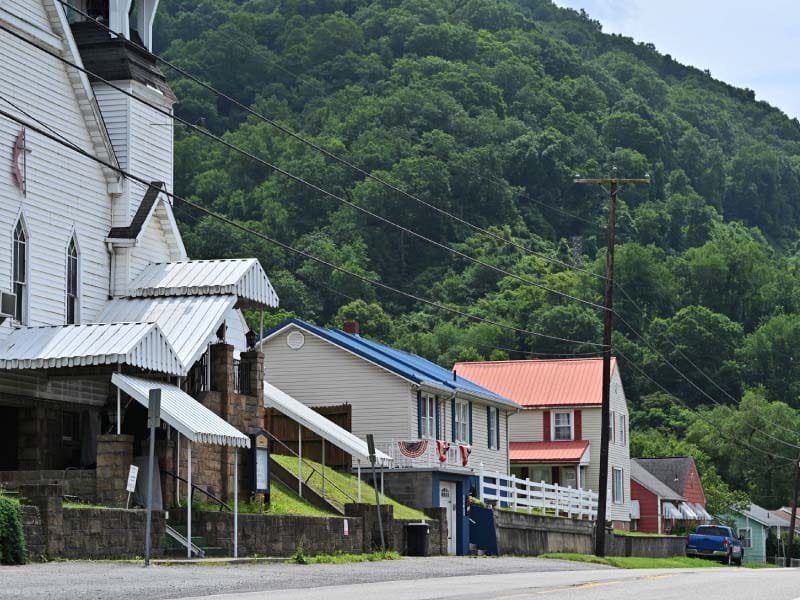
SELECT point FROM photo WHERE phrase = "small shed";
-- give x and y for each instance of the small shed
(753, 527)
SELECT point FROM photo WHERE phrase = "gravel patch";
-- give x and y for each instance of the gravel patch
(98, 580)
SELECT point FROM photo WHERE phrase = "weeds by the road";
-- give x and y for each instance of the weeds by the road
(342, 557)
(635, 562)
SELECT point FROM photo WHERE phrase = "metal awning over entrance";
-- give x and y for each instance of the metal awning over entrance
(197, 424)
(178, 409)
(325, 428)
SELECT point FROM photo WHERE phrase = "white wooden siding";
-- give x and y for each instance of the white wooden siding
(65, 191)
(321, 374)
(152, 248)
(526, 426)
(30, 11)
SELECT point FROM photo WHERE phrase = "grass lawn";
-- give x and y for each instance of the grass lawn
(640, 534)
(347, 484)
(282, 502)
(634, 562)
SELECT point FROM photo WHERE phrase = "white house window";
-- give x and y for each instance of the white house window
(622, 430)
(746, 537)
(73, 274)
(462, 422)
(428, 417)
(491, 426)
(20, 272)
(562, 426)
(617, 488)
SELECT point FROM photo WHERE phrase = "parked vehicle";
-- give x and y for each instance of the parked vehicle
(715, 541)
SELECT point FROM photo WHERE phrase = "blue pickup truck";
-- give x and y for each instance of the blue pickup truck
(715, 541)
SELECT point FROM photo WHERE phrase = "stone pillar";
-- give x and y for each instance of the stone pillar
(252, 363)
(114, 458)
(48, 499)
(372, 536)
(439, 514)
(221, 357)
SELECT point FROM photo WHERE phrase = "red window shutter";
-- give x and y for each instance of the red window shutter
(578, 425)
(546, 424)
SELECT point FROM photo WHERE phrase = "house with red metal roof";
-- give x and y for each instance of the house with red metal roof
(556, 436)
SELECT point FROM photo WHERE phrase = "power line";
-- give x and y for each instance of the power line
(311, 185)
(348, 163)
(303, 253)
(720, 430)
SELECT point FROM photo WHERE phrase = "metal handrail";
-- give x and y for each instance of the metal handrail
(310, 466)
(199, 489)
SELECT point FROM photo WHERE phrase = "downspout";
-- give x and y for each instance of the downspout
(112, 270)
(658, 510)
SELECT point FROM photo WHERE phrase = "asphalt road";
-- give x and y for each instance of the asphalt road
(408, 579)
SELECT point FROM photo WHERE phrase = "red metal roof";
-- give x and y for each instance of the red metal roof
(548, 452)
(536, 383)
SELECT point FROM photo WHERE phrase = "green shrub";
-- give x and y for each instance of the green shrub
(12, 540)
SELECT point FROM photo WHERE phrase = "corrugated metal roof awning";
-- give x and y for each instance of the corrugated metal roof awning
(669, 511)
(323, 427)
(193, 420)
(140, 345)
(576, 451)
(188, 322)
(243, 278)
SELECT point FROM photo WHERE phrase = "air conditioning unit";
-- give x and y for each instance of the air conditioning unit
(8, 304)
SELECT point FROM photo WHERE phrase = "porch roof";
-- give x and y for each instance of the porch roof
(140, 344)
(549, 452)
(323, 427)
(188, 322)
(241, 277)
(178, 409)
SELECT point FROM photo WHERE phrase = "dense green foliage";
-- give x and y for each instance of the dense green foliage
(12, 539)
(487, 108)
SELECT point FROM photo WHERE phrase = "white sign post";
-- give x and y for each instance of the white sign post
(133, 473)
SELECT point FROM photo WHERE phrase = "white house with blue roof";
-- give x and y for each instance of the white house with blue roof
(439, 428)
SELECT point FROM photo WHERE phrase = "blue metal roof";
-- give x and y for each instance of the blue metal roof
(407, 365)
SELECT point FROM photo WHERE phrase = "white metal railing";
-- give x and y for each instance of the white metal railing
(509, 491)
(430, 456)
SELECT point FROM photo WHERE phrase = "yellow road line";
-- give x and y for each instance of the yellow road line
(588, 584)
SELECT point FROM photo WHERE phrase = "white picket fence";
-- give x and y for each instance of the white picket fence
(509, 491)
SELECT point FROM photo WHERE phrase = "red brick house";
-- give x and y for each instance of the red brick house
(666, 492)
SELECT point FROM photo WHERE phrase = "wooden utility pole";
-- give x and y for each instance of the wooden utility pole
(793, 518)
(608, 324)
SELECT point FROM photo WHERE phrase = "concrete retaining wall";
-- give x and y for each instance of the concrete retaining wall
(529, 535)
(97, 533)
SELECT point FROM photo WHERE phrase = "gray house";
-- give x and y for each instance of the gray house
(439, 429)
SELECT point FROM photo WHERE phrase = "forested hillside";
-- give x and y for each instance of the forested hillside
(488, 109)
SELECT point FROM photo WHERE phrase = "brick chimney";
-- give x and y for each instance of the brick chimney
(352, 327)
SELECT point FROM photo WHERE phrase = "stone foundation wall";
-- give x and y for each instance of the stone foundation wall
(108, 533)
(646, 546)
(80, 483)
(277, 535)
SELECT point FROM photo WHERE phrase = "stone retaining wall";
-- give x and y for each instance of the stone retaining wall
(646, 546)
(33, 530)
(277, 535)
(98, 533)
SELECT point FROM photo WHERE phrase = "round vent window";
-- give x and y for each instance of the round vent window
(295, 340)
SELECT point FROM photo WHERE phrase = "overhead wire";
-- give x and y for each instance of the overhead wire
(310, 185)
(380, 180)
(287, 247)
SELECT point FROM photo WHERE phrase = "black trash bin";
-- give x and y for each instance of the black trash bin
(418, 539)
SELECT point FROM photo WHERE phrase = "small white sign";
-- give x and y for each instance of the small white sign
(132, 475)
(346, 528)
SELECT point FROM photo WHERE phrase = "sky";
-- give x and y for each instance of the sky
(747, 44)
